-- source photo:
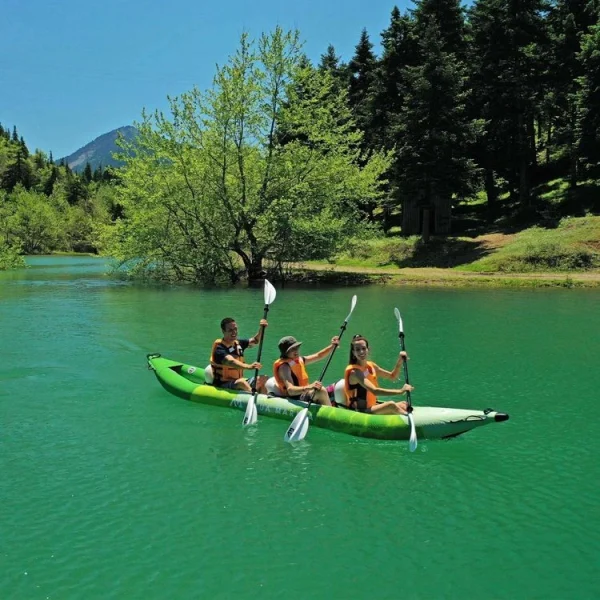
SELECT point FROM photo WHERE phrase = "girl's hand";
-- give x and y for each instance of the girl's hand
(402, 356)
(407, 387)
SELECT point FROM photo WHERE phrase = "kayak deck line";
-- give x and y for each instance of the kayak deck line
(187, 382)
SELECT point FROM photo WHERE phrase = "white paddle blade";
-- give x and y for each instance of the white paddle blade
(251, 415)
(270, 292)
(352, 305)
(400, 326)
(412, 442)
(299, 428)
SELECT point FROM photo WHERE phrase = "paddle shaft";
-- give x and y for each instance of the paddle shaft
(405, 367)
(312, 396)
(260, 346)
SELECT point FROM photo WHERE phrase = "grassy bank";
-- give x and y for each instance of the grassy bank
(566, 254)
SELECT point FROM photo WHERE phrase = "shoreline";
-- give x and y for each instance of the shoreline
(438, 277)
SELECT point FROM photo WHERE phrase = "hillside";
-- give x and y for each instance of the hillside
(99, 152)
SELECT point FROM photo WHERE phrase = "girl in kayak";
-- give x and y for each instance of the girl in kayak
(361, 386)
(290, 371)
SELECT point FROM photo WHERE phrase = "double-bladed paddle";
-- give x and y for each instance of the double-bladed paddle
(251, 415)
(299, 428)
(412, 442)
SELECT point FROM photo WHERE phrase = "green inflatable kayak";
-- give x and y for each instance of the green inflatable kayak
(188, 382)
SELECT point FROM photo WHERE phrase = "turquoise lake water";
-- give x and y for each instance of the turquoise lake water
(112, 488)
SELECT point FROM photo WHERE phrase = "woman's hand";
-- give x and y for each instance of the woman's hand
(407, 387)
(335, 340)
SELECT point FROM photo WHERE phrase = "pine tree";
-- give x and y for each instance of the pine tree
(18, 171)
(449, 18)
(400, 50)
(87, 173)
(506, 77)
(434, 139)
(48, 187)
(588, 130)
(15, 135)
(568, 21)
(24, 147)
(362, 86)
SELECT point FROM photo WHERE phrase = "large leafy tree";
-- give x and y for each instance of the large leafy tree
(210, 192)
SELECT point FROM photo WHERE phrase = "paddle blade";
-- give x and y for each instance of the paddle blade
(412, 442)
(299, 428)
(270, 292)
(251, 415)
(352, 305)
(399, 318)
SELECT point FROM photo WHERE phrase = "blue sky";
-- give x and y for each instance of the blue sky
(71, 71)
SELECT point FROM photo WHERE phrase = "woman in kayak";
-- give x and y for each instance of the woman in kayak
(290, 372)
(361, 386)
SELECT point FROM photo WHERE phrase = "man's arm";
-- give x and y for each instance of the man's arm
(255, 339)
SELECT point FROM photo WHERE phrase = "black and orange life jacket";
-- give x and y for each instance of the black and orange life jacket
(299, 374)
(222, 372)
(357, 397)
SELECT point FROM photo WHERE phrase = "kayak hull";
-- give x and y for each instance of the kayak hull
(187, 382)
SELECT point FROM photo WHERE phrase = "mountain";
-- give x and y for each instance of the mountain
(98, 152)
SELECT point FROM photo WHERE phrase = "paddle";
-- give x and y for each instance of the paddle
(299, 428)
(251, 416)
(412, 442)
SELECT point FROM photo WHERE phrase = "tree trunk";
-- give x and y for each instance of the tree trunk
(425, 229)
(492, 193)
(255, 270)
(524, 198)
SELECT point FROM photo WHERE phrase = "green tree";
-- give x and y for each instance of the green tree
(34, 225)
(210, 194)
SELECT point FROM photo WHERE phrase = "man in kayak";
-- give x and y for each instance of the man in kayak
(290, 372)
(227, 358)
(361, 386)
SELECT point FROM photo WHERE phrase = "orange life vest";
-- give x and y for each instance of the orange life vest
(299, 374)
(222, 372)
(357, 397)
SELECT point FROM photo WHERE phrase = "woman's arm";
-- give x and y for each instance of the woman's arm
(311, 358)
(293, 390)
(357, 378)
(396, 372)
